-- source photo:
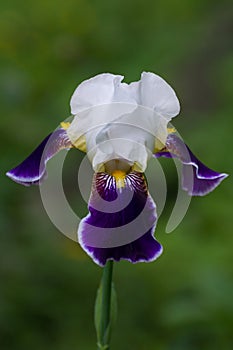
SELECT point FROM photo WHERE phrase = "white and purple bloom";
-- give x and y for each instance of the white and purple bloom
(120, 126)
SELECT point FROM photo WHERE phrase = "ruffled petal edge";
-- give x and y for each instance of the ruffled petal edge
(104, 231)
(197, 178)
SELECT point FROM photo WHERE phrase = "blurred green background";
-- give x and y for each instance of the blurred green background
(48, 285)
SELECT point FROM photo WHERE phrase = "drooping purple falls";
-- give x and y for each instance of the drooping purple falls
(121, 221)
(197, 179)
(122, 215)
(33, 169)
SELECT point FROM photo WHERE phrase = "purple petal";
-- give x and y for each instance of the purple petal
(197, 178)
(33, 169)
(121, 222)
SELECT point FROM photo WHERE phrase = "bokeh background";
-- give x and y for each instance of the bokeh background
(47, 284)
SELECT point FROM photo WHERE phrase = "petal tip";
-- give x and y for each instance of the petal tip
(22, 180)
(33, 169)
(211, 185)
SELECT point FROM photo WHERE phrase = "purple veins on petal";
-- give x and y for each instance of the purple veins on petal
(197, 178)
(120, 223)
(33, 169)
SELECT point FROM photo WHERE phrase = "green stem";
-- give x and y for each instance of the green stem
(105, 305)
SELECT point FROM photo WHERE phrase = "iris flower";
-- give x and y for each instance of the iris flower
(120, 126)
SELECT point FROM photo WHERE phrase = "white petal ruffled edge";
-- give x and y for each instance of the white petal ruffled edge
(157, 94)
(95, 91)
(151, 91)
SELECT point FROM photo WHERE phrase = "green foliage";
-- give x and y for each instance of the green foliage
(98, 315)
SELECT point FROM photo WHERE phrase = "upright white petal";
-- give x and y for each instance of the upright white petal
(128, 93)
(122, 121)
(95, 91)
(157, 94)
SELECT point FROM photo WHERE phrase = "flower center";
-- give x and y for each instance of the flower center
(119, 176)
(117, 168)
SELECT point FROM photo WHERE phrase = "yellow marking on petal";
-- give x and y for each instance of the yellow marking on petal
(119, 176)
(81, 144)
(101, 168)
(136, 167)
(159, 145)
(65, 125)
(171, 130)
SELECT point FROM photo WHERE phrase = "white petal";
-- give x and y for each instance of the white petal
(130, 137)
(128, 93)
(96, 118)
(127, 150)
(119, 120)
(157, 94)
(119, 131)
(95, 91)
